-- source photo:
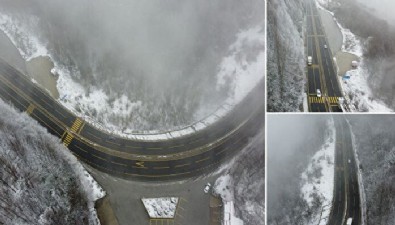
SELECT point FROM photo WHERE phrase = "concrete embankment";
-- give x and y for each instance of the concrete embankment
(335, 39)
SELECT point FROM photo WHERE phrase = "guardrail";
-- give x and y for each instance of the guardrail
(209, 120)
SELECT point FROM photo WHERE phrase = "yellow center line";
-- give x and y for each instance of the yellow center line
(161, 168)
(30, 109)
(135, 147)
(182, 165)
(201, 160)
(96, 156)
(129, 156)
(176, 146)
(80, 148)
(196, 140)
(139, 167)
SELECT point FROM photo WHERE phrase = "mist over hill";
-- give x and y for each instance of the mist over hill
(141, 65)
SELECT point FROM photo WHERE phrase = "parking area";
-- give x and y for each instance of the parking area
(125, 196)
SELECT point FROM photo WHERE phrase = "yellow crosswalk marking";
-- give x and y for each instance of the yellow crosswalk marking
(78, 123)
(333, 100)
(30, 109)
(67, 140)
(316, 100)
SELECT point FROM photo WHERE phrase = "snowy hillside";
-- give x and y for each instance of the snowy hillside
(317, 179)
(244, 184)
(41, 181)
(299, 165)
(143, 66)
(375, 141)
(285, 50)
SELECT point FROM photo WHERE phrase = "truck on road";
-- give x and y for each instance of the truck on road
(309, 60)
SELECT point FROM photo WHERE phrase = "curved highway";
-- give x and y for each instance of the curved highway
(346, 196)
(175, 158)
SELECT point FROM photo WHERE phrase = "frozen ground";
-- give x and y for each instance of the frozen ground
(41, 179)
(318, 178)
(357, 91)
(242, 185)
(161, 207)
(240, 69)
(359, 94)
(373, 139)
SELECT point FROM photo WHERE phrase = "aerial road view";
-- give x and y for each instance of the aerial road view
(342, 175)
(330, 56)
(132, 112)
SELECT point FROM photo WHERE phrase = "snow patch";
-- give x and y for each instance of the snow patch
(91, 188)
(229, 215)
(88, 185)
(164, 208)
(358, 92)
(318, 178)
(241, 68)
(29, 46)
(223, 188)
(87, 104)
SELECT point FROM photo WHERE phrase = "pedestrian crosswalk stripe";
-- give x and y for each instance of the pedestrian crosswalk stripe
(76, 125)
(331, 100)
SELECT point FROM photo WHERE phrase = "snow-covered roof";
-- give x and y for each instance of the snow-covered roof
(161, 208)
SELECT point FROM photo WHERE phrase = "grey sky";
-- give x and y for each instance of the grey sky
(382, 8)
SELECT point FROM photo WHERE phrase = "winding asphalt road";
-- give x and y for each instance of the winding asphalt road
(322, 73)
(175, 158)
(346, 198)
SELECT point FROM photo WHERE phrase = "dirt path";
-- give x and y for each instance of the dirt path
(40, 69)
(105, 212)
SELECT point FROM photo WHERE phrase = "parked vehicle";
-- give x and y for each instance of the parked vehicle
(207, 188)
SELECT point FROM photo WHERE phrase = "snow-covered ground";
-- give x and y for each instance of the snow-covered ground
(49, 175)
(241, 185)
(318, 178)
(164, 208)
(229, 215)
(91, 188)
(358, 92)
(356, 89)
(241, 68)
(223, 187)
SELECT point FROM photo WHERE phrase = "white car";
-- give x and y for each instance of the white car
(207, 188)
(319, 93)
(349, 221)
(325, 46)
